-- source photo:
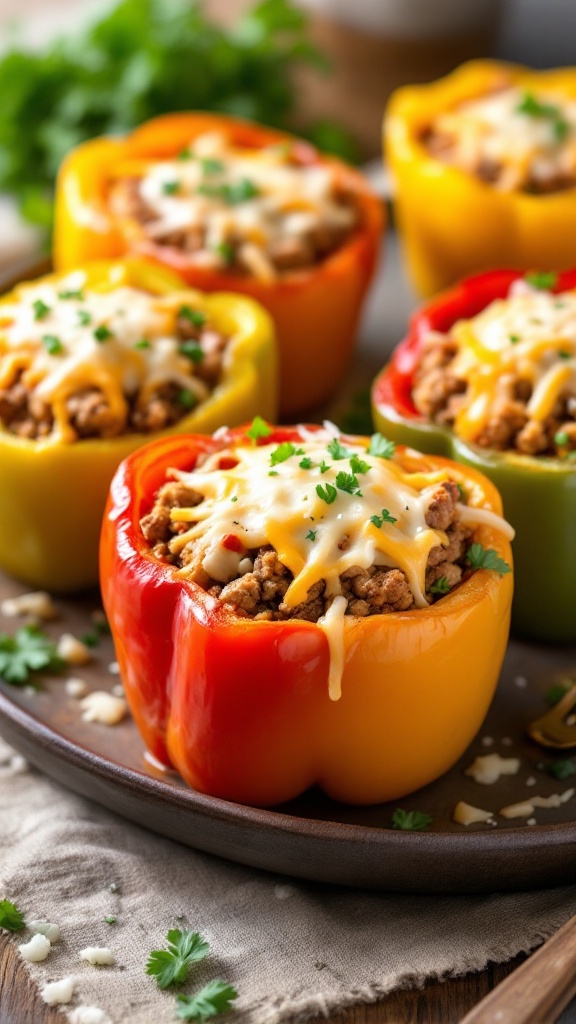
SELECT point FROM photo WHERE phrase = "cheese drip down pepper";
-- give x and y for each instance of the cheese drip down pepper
(240, 705)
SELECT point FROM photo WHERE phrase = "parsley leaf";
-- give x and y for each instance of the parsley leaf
(171, 966)
(284, 451)
(562, 769)
(328, 493)
(10, 917)
(84, 317)
(187, 398)
(440, 586)
(357, 465)
(324, 466)
(411, 821)
(143, 343)
(211, 166)
(258, 428)
(348, 482)
(103, 333)
(337, 450)
(311, 535)
(305, 463)
(533, 107)
(170, 188)
(542, 279)
(194, 316)
(52, 344)
(72, 294)
(486, 558)
(40, 309)
(561, 438)
(216, 997)
(225, 251)
(384, 518)
(381, 447)
(28, 650)
(192, 350)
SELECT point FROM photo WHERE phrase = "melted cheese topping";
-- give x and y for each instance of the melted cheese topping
(257, 197)
(527, 137)
(322, 514)
(530, 335)
(120, 340)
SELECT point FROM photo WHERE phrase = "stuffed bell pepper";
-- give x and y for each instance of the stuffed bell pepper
(294, 607)
(234, 206)
(92, 364)
(484, 170)
(487, 375)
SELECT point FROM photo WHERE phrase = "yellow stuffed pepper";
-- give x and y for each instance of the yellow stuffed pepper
(93, 363)
(484, 169)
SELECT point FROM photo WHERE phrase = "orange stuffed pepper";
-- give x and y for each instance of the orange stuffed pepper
(232, 205)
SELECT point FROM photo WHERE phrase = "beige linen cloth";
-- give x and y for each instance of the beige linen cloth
(293, 950)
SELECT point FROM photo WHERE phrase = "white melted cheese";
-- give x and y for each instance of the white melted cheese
(525, 145)
(283, 199)
(117, 364)
(262, 501)
(531, 335)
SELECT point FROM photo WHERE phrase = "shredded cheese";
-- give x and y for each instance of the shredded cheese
(319, 515)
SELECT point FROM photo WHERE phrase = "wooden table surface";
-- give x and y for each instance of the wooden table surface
(437, 1003)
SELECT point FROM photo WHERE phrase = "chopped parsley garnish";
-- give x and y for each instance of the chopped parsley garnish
(514, 338)
(143, 343)
(187, 398)
(337, 450)
(562, 354)
(284, 451)
(328, 493)
(272, 472)
(348, 482)
(72, 294)
(28, 650)
(11, 918)
(544, 280)
(110, 919)
(194, 316)
(357, 465)
(311, 535)
(555, 693)
(486, 558)
(324, 466)
(84, 317)
(381, 447)
(258, 428)
(411, 821)
(384, 518)
(211, 166)
(171, 966)
(461, 494)
(40, 309)
(562, 769)
(561, 438)
(52, 344)
(192, 350)
(170, 188)
(184, 154)
(216, 997)
(226, 252)
(305, 463)
(441, 586)
(533, 107)
(103, 333)
(233, 193)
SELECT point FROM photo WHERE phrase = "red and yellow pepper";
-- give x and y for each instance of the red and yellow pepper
(54, 491)
(241, 707)
(315, 310)
(452, 223)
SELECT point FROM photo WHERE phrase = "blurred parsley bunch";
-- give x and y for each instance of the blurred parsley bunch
(143, 58)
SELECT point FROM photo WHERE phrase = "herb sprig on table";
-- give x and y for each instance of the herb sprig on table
(11, 918)
(143, 58)
(171, 966)
(27, 651)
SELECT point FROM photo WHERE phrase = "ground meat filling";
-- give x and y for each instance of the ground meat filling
(259, 592)
(440, 394)
(89, 414)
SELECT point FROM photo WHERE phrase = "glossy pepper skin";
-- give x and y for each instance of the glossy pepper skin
(241, 707)
(316, 310)
(53, 493)
(451, 222)
(539, 494)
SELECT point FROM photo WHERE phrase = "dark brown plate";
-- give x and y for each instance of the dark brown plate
(314, 837)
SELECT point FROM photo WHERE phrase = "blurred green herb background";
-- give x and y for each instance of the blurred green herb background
(143, 58)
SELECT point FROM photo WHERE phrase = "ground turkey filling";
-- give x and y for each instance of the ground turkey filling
(260, 591)
(441, 391)
(228, 209)
(89, 414)
(512, 139)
